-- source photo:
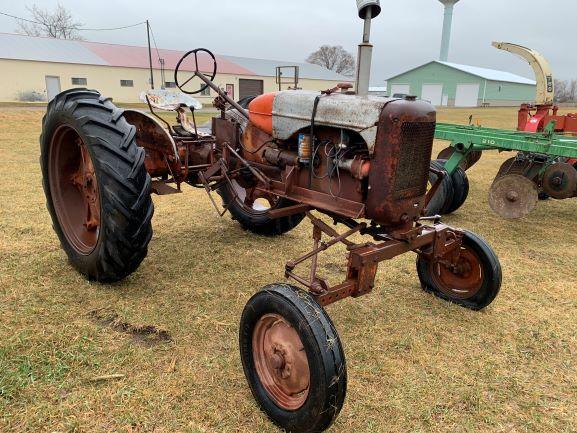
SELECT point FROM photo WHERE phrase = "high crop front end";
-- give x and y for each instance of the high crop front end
(277, 159)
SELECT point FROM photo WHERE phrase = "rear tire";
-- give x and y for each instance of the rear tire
(443, 198)
(258, 221)
(121, 185)
(460, 190)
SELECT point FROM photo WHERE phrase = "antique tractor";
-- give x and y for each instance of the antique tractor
(273, 159)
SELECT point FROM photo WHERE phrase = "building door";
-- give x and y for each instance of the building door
(247, 88)
(433, 93)
(52, 87)
(467, 95)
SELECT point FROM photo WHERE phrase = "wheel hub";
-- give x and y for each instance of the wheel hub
(281, 362)
(512, 196)
(85, 180)
(74, 189)
(464, 279)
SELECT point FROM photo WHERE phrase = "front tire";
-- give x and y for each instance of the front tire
(292, 359)
(97, 188)
(474, 283)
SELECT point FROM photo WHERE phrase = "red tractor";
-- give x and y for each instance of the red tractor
(359, 161)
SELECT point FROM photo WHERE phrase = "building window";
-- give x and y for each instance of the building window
(205, 92)
(170, 84)
(79, 81)
(126, 83)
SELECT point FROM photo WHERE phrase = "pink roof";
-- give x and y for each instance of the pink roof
(137, 57)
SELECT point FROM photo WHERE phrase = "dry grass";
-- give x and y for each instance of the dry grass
(416, 364)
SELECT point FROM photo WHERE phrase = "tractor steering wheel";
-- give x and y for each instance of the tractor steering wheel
(196, 71)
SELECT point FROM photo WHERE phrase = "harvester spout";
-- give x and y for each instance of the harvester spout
(543, 75)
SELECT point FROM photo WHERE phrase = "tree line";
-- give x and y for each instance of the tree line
(565, 91)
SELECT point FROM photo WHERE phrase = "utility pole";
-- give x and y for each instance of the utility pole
(149, 55)
(162, 75)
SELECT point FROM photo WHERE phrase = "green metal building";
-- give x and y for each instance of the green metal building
(454, 85)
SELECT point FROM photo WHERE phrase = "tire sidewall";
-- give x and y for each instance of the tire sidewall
(444, 194)
(460, 188)
(491, 272)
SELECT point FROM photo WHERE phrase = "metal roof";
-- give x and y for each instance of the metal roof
(268, 68)
(137, 57)
(485, 73)
(21, 47)
(44, 49)
(490, 74)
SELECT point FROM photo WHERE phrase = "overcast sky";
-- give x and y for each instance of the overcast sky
(406, 34)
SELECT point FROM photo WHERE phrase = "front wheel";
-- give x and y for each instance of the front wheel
(292, 359)
(473, 283)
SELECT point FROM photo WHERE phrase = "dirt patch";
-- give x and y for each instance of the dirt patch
(147, 335)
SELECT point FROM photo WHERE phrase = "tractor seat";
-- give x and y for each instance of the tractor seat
(168, 100)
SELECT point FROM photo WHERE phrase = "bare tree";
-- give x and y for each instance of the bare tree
(572, 91)
(335, 58)
(58, 23)
(561, 91)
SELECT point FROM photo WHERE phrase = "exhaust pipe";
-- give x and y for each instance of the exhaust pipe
(368, 9)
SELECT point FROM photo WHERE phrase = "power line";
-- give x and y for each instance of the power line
(74, 28)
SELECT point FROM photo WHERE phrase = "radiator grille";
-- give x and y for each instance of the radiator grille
(414, 158)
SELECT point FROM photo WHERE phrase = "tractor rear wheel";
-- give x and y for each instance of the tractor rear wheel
(250, 206)
(460, 182)
(97, 188)
(473, 283)
(469, 161)
(443, 198)
(292, 359)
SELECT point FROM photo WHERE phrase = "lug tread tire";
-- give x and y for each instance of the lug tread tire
(444, 195)
(319, 335)
(260, 223)
(461, 188)
(123, 182)
(491, 270)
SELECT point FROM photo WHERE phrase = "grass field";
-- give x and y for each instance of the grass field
(76, 356)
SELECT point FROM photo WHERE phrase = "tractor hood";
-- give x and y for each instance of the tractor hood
(282, 114)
